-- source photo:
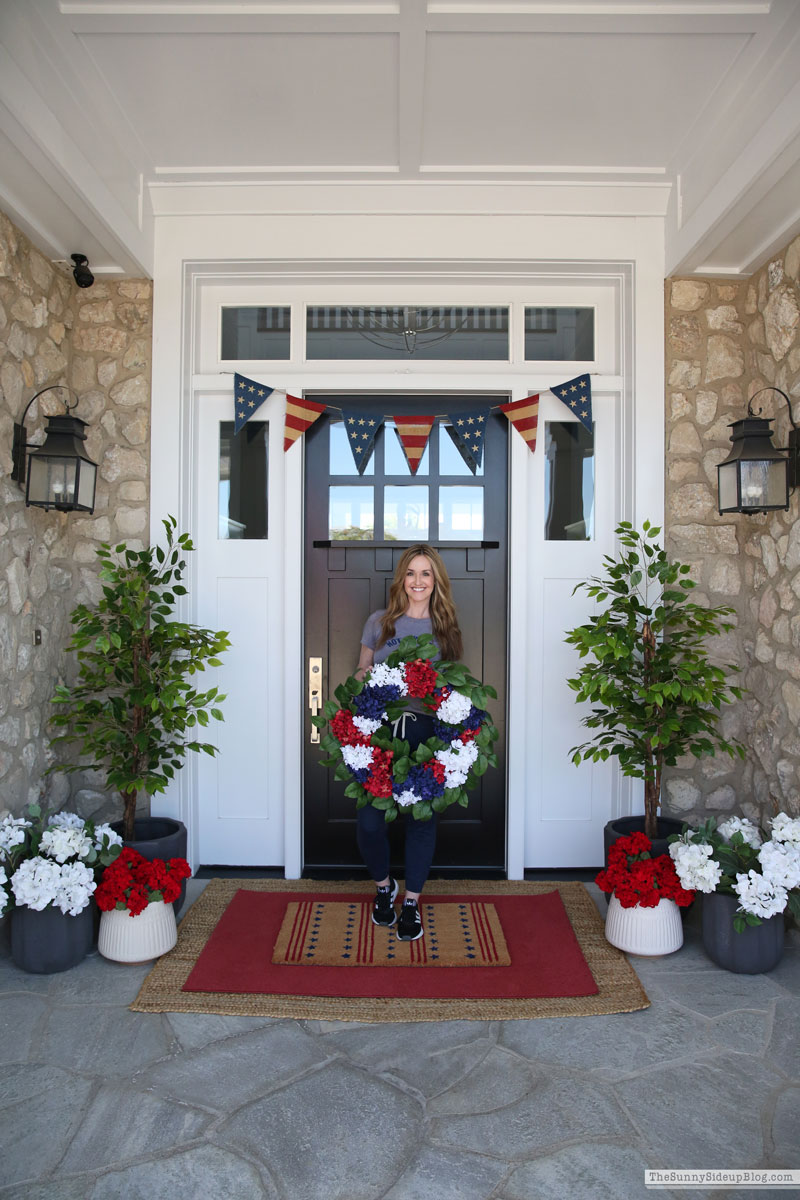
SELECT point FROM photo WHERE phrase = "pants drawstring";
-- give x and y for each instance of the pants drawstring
(400, 724)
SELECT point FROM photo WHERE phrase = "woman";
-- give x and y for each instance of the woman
(420, 601)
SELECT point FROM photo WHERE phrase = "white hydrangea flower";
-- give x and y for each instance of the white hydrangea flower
(786, 829)
(12, 832)
(358, 758)
(454, 709)
(780, 863)
(4, 897)
(75, 888)
(695, 867)
(65, 843)
(457, 762)
(35, 882)
(759, 895)
(366, 725)
(66, 820)
(749, 831)
(407, 798)
(105, 831)
(383, 676)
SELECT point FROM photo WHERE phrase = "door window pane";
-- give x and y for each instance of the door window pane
(460, 513)
(450, 460)
(243, 480)
(387, 331)
(341, 456)
(351, 513)
(395, 462)
(405, 514)
(569, 482)
(559, 334)
(255, 333)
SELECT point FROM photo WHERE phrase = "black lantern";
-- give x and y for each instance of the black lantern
(756, 476)
(59, 473)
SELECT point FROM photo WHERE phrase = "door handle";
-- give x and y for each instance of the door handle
(315, 694)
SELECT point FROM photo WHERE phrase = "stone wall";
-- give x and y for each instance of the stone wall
(97, 341)
(724, 341)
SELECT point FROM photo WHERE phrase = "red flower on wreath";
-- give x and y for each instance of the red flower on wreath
(379, 781)
(420, 678)
(346, 731)
(132, 882)
(636, 878)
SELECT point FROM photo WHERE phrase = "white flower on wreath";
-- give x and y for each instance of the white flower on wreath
(12, 832)
(62, 844)
(457, 762)
(383, 676)
(780, 863)
(454, 709)
(358, 758)
(749, 831)
(366, 725)
(696, 868)
(786, 829)
(759, 895)
(407, 798)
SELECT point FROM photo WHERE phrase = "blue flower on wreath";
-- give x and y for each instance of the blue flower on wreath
(372, 701)
(423, 782)
(474, 720)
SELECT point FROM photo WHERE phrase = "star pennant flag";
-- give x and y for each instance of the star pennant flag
(413, 433)
(300, 416)
(248, 396)
(361, 429)
(468, 432)
(577, 395)
(524, 416)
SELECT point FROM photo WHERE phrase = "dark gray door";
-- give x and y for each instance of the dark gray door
(355, 530)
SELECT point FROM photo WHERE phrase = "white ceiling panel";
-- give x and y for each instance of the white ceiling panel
(244, 100)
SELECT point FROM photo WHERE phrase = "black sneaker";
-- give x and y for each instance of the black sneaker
(409, 927)
(382, 910)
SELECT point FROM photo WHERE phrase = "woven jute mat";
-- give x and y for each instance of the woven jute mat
(619, 989)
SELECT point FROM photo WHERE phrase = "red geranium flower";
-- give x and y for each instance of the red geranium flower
(636, 878)
(420, 678)
(131, 882)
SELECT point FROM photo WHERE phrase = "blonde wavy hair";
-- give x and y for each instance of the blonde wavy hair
(444, 621)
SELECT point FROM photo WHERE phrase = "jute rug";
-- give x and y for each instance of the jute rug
(613, 983)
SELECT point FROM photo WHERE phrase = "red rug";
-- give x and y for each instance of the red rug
(546, 959)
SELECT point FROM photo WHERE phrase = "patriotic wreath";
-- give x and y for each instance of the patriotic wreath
(380, 769)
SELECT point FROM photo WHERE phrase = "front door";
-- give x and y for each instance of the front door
(356, 527)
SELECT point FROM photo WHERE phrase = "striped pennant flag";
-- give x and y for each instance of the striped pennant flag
(577, 395)
(300, 416)
(248, 396)
(524, 416)
(413, 433)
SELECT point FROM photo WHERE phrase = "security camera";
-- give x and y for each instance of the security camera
(83, 276)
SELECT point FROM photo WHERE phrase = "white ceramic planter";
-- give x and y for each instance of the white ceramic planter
(650, 931)
(128, 939)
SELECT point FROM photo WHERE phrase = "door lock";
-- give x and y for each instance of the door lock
(315, 694)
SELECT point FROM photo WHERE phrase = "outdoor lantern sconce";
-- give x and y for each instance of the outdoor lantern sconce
(58, 474)
(756, 477)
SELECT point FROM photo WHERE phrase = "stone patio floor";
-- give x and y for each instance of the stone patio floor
(99, 1102)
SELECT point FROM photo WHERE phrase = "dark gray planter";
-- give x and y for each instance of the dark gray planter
(622, 826)
(49, 941)
(159, 837)
(758, 948)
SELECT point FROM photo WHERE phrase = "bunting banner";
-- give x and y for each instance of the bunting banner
(249, 396)
(524, 416)
(468, 431)
(300, 416)
(413, 433)
(577, 395)
(361, 429)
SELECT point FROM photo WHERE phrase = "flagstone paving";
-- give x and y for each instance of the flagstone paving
(97, 1101)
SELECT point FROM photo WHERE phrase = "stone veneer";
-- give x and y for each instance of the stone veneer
(97, 341)
(724, 341)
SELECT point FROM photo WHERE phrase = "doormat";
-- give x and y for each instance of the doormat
(339, 933)
(190, 980)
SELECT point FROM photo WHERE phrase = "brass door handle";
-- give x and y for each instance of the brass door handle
(315, 694)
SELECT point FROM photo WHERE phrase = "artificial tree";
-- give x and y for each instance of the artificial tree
(655, 693)
(134, 703)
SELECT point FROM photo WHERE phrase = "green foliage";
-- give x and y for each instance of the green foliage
(655, 693)
(136, 706)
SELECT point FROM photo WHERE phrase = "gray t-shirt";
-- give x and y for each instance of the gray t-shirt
(405, 626)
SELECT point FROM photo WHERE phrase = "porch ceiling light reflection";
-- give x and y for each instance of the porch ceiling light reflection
(59, 473)
(756, 476)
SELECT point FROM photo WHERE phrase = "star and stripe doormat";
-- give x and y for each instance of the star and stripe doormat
(335, 933)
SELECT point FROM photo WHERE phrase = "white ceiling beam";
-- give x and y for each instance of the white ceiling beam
(411, 87)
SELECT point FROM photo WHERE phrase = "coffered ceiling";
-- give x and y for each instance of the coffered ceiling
(113, 111)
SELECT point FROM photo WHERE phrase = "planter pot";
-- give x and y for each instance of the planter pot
(49, 941)
(756, 949)
(158, 837)
(128, 939)
(622, 826)
(648, 931)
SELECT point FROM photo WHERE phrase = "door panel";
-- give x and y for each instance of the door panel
(349, 576)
